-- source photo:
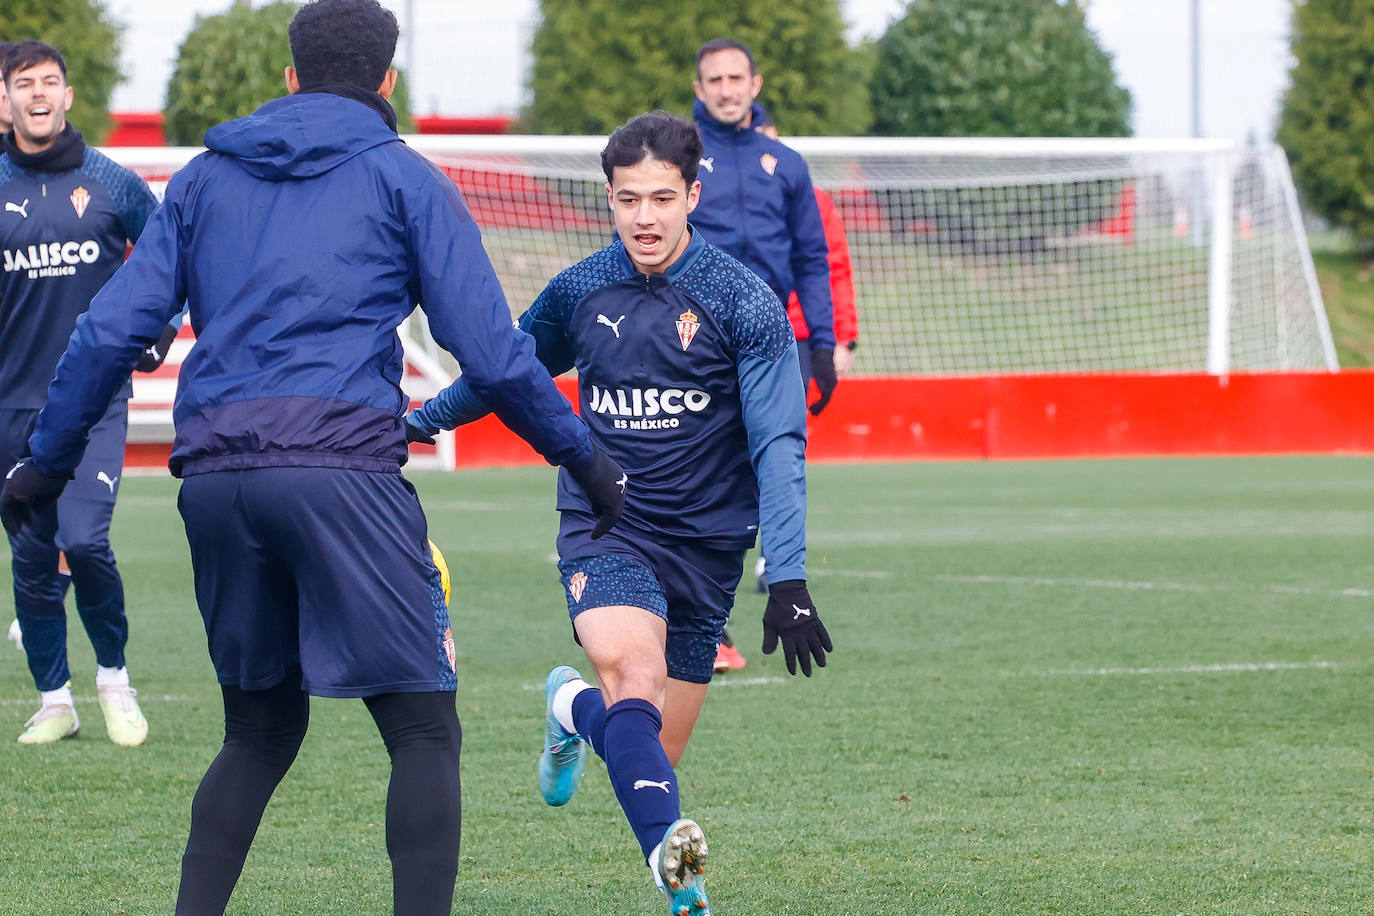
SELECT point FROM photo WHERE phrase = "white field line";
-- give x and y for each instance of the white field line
(1133, 585)
(1226, 668)
(142, 698)
(850, 573)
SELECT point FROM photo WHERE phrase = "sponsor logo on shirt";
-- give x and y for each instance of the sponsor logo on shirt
(51, 259)
(651, 408)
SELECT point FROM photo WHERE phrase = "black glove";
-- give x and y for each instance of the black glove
(604, 483)
(823, 371)
(26, 490)
(416, 434)
(153, 356)
(792, 616)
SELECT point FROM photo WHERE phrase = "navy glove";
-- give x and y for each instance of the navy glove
(416, 434)
(823, 371)
(153, 356)
(791, 617)
(604, 483)
(26, 491)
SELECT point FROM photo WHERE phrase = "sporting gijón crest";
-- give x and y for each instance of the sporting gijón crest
(687, 327)
(577, 582)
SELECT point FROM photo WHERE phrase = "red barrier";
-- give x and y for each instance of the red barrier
(1040, 416)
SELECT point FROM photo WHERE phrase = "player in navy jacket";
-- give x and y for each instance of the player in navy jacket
(69, 215)
(301, 240)
(687, 377)
(758, 202)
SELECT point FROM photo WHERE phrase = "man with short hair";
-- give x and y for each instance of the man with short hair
(301, 240)
(69, 215)
(687, 376)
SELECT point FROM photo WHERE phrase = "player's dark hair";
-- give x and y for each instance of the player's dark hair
(21, 55)
(723, 44)
(342, 41)
(660, 134)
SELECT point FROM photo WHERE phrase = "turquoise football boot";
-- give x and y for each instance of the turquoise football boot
(560, 766)
(681, 863)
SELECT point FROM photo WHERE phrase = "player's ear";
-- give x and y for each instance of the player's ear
(67, 97)
(696, 87)
(693, 196)
(293, 81)
(756, 84)
(388, 85)
(610, 196)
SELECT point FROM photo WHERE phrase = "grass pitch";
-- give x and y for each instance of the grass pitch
(1059, 687)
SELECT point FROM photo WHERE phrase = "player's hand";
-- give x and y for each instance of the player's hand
(823, 371)
(153, 356)
(604, 483)
(791, 618)
(26, 491)
(416, 434)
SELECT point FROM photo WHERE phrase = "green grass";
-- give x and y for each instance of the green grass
(1347, 284)
(1029, 711)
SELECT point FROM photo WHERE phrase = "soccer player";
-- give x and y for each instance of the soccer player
(687, 375)
(69, 215)
(301, 240)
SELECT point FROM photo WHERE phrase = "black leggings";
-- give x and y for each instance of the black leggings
(263, 730)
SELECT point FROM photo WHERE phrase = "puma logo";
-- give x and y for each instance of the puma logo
(106, 480)
(21, 209)
(646, 783)
(709, 165)
(613, 325)
(624, 479)
(801, 612)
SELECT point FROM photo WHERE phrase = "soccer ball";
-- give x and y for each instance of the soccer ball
(444, 578)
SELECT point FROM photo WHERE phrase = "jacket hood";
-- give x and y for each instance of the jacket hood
(300, 136)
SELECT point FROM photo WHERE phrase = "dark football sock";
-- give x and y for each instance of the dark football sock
(423, 803)
(589, 717)
(263, 730)
(640, 773)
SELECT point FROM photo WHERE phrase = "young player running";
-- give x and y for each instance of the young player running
(688, 378)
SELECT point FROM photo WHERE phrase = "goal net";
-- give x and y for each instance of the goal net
(973, 256)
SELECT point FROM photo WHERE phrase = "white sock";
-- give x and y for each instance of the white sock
(653, 868)
(62, 696)
(111, 677)
(562, 703)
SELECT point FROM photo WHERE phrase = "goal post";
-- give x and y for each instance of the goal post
(971, 256)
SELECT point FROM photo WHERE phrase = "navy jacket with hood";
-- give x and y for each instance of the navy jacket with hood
(300, 240)
(757, 202)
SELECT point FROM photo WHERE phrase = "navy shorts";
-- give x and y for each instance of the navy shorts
(691, 587)
(328, 568)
